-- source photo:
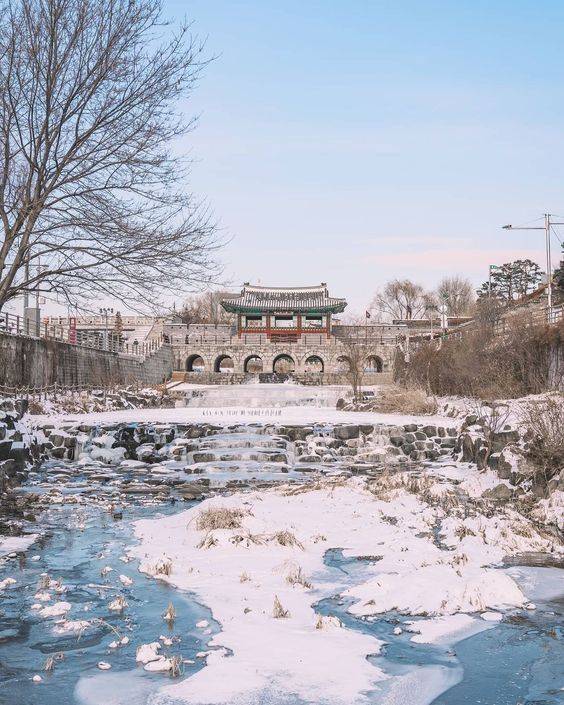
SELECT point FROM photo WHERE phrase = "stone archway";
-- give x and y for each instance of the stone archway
(373, 364)
(224, 363)
(253, 364)
(195, 363)
(343, 363)
(314, 363)
(283, 364)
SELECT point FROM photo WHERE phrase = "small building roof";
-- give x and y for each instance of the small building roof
(301, 299)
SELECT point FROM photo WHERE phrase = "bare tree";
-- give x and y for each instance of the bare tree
(206, 308)
(92, 195)
(402, 299)
(458, 295)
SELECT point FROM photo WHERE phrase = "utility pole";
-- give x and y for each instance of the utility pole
(548, 223)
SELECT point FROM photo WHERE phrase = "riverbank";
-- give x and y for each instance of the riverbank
(258, 561)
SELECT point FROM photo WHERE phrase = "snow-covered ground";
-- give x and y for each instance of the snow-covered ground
(263, 576)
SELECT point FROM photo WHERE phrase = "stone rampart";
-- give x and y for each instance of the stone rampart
(33, 362)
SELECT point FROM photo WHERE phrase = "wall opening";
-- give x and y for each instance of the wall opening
(195, 363)
(225, 364)
(373, 364)
(253, 364)
(283, 365)
(314, 364)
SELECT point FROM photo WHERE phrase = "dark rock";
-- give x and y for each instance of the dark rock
(441, 432)
(366, 428)
(410, 427)
(417, 455)
(467, 448)
(410, 437)
(493, 461)
(503, 438)
(499, 493)
(346, 433)
(397, 440)
(420, 436)
(408, 448)
(448, 442)
(429, 431)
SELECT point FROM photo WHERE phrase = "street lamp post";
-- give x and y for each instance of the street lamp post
(548, 223)
(105, 312)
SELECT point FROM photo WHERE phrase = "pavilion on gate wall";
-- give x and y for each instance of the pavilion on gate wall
(283, 314)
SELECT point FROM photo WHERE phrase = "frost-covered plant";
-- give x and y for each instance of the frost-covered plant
(220, 518)
(278, 612)
(287, 538)
(208, 541)
(163, 566)
(296, 577)
(176, 666)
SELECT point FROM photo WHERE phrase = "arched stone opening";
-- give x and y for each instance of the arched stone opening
(343, 364)
(314, 363)
(225, 364)
(373, 364)
(195, 363)
(253, 364)
(283, 365)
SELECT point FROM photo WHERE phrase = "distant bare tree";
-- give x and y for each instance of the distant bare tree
(92, 196)
(402, 299)
(205, 308)
(458, 295)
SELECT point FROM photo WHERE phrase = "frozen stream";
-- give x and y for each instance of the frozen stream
(517, 661)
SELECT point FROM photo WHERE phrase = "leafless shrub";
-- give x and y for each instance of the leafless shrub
(220, 518)
(296, 576)
(278, 612)
(244, 577)
(398, 400)
(487, 362)
(544, 420)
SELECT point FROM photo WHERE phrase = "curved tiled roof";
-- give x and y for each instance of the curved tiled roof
(298, 299)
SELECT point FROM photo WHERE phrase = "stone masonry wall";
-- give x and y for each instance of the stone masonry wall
(31, 362)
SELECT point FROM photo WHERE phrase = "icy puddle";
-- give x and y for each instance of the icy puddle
(118, 548)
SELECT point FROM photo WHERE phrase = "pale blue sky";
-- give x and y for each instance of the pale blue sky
(351, 142)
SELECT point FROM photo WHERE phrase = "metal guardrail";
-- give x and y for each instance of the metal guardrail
(108, 341)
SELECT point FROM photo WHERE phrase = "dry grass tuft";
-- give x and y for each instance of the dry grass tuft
(287, 538)
(163, 566)
(170, 614)
(278, 612)
(220, 518)
(176, 666)
(397, 400)
(296, 577)
(50, 662)
(244, 577)
(208, 541)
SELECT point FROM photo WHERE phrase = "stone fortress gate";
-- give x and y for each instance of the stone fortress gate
(280, 331)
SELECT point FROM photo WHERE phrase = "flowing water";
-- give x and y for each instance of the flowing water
(87, 528)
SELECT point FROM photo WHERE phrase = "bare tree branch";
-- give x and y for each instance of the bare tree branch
(90, 186)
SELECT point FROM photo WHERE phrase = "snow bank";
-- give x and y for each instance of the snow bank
(268, 562)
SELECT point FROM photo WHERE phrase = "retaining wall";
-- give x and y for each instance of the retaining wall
(32, 362)
(338, 378)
